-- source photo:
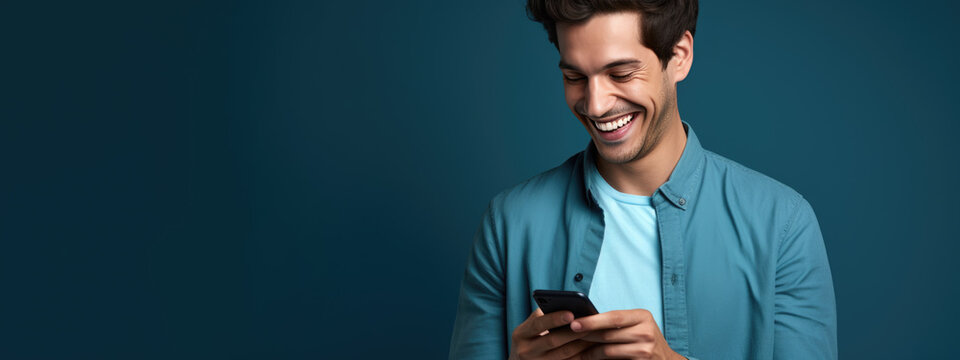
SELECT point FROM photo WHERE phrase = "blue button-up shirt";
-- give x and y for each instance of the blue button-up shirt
(744, 267)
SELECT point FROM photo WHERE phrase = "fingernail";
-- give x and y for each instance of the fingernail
(575, 325)
(567, 318)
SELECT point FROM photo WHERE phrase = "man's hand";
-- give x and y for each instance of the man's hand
(623, 334)
(533, 340)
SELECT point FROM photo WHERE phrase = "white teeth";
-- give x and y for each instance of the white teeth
(613, 125)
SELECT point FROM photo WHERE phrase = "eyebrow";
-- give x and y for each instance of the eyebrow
(613, 64)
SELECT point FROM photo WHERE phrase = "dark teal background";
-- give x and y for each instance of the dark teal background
(221, 179)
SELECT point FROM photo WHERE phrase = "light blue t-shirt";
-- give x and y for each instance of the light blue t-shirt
(628, 270)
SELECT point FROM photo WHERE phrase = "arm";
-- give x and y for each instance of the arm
(478, 332)
(805, 313)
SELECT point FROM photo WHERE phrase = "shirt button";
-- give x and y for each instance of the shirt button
(682, 201)
(578, 277)
(673, 279)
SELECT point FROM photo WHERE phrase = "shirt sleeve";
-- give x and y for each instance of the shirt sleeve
(479, 330)
(805, 314)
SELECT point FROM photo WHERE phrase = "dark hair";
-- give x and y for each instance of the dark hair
(663, 21)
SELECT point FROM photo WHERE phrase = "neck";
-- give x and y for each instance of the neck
(645, 175)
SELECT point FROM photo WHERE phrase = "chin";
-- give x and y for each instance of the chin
(618, 154)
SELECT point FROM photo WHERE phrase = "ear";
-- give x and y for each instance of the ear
(682, 59)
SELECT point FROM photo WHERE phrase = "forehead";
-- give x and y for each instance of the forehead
(600, 39)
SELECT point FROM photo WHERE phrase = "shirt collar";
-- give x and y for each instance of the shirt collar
(683, 182)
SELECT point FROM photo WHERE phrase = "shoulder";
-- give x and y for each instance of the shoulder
(737, 176)
(750, 190)
(540, 193)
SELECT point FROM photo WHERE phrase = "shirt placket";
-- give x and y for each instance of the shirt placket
(675, 326)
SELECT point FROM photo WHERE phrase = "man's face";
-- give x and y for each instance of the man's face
(615, 85)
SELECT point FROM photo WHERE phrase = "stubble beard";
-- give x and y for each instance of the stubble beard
(652, 137)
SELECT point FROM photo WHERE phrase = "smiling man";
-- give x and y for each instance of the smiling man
(685, 253)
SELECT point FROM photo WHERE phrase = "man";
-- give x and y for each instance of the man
(685, 253)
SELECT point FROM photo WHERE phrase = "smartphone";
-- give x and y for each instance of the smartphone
(556, 300)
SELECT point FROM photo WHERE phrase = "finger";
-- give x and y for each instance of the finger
(568, 350)
(610, 320)
(534, 326)
(521, 329)
(554, 340)
(624, 335)
(551, 320)
(535, 314)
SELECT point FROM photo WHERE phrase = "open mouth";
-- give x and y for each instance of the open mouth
(613, 125)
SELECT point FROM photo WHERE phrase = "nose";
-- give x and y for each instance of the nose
(599, 98)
